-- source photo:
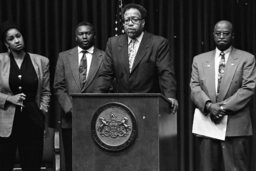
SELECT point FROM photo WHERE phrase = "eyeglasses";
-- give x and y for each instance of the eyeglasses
(134, 20)
(225, 34)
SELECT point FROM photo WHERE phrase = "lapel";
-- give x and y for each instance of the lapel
(35, 63)
(123, 53)
(144, 44)
(229, 72)
(95, 65)
(73, 61)
(209, 69)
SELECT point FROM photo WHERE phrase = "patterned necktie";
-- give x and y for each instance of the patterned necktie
(131, 53)
(221, 70)
(83, 69)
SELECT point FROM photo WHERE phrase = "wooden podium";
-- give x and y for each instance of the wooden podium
(154, 147)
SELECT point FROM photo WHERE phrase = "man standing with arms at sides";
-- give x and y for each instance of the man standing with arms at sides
(228, 94)
(76, 71)
(139, 61)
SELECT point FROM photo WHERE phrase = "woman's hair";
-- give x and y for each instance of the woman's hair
(4, 27)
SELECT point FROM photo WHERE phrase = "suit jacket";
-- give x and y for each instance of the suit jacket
(67, 80)
(7, 110)
(236, 88)
(152, 71)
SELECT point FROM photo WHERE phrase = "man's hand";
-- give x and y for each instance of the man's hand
(216, 112)
(174, 105)
(215, 109)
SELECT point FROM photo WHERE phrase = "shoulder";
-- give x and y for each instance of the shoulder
(204, 56)
(4, 56)
(39, 58)
(242, 54)
(99, 51)
(155, 39)
(117, 39)
(69, 51)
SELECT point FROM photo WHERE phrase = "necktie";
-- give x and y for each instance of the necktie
(131, 53)
(83, 69)
(221, 70)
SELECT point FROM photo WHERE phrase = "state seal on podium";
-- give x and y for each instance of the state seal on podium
(114, 127)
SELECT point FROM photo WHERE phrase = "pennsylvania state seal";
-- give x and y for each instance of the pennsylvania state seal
(114, 127)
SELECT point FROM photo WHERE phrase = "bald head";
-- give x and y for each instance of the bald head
(224, 23)
(223, 34)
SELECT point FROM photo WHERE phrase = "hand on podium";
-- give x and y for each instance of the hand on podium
(174, 105)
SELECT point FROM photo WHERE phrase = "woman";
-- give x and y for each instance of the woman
(24, 102)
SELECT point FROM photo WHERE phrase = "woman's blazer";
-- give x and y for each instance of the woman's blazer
(7, 110)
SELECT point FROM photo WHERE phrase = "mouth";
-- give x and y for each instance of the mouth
(131, 30)
(222, 41)
(19, 46)
(85, 42)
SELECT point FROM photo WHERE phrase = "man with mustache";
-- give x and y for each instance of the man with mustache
(140, 62)
(76, 71)
(228, 94)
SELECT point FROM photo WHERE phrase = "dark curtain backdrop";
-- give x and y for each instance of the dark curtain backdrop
(48, 27)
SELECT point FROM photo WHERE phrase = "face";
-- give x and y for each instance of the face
(14, 40)
(133, 23)
(85, 37)
(223, 35)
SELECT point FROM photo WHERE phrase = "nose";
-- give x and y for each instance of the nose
(221, 35)
(16, 39)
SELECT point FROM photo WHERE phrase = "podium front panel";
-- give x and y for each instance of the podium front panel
(142, 154)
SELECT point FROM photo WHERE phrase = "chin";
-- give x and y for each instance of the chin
(132, 35)
(223, 47)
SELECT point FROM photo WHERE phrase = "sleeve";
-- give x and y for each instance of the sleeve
(198, 95)
(60, 88)
(106, 71)
(3, 98)
(45, 92)
(165, 68)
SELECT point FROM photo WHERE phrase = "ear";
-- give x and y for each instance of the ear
(6, 44)
(143, 23)
(233, 35)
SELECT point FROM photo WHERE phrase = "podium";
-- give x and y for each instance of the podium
(123, 132)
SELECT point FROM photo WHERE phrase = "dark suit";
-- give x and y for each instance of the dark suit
(67, 81)
(236, 90)
(152, 71)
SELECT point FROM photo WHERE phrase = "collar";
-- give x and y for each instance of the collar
(138, 39)
(90, 50)
(227, 51)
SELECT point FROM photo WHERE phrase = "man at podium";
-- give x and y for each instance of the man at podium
(139, 61)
